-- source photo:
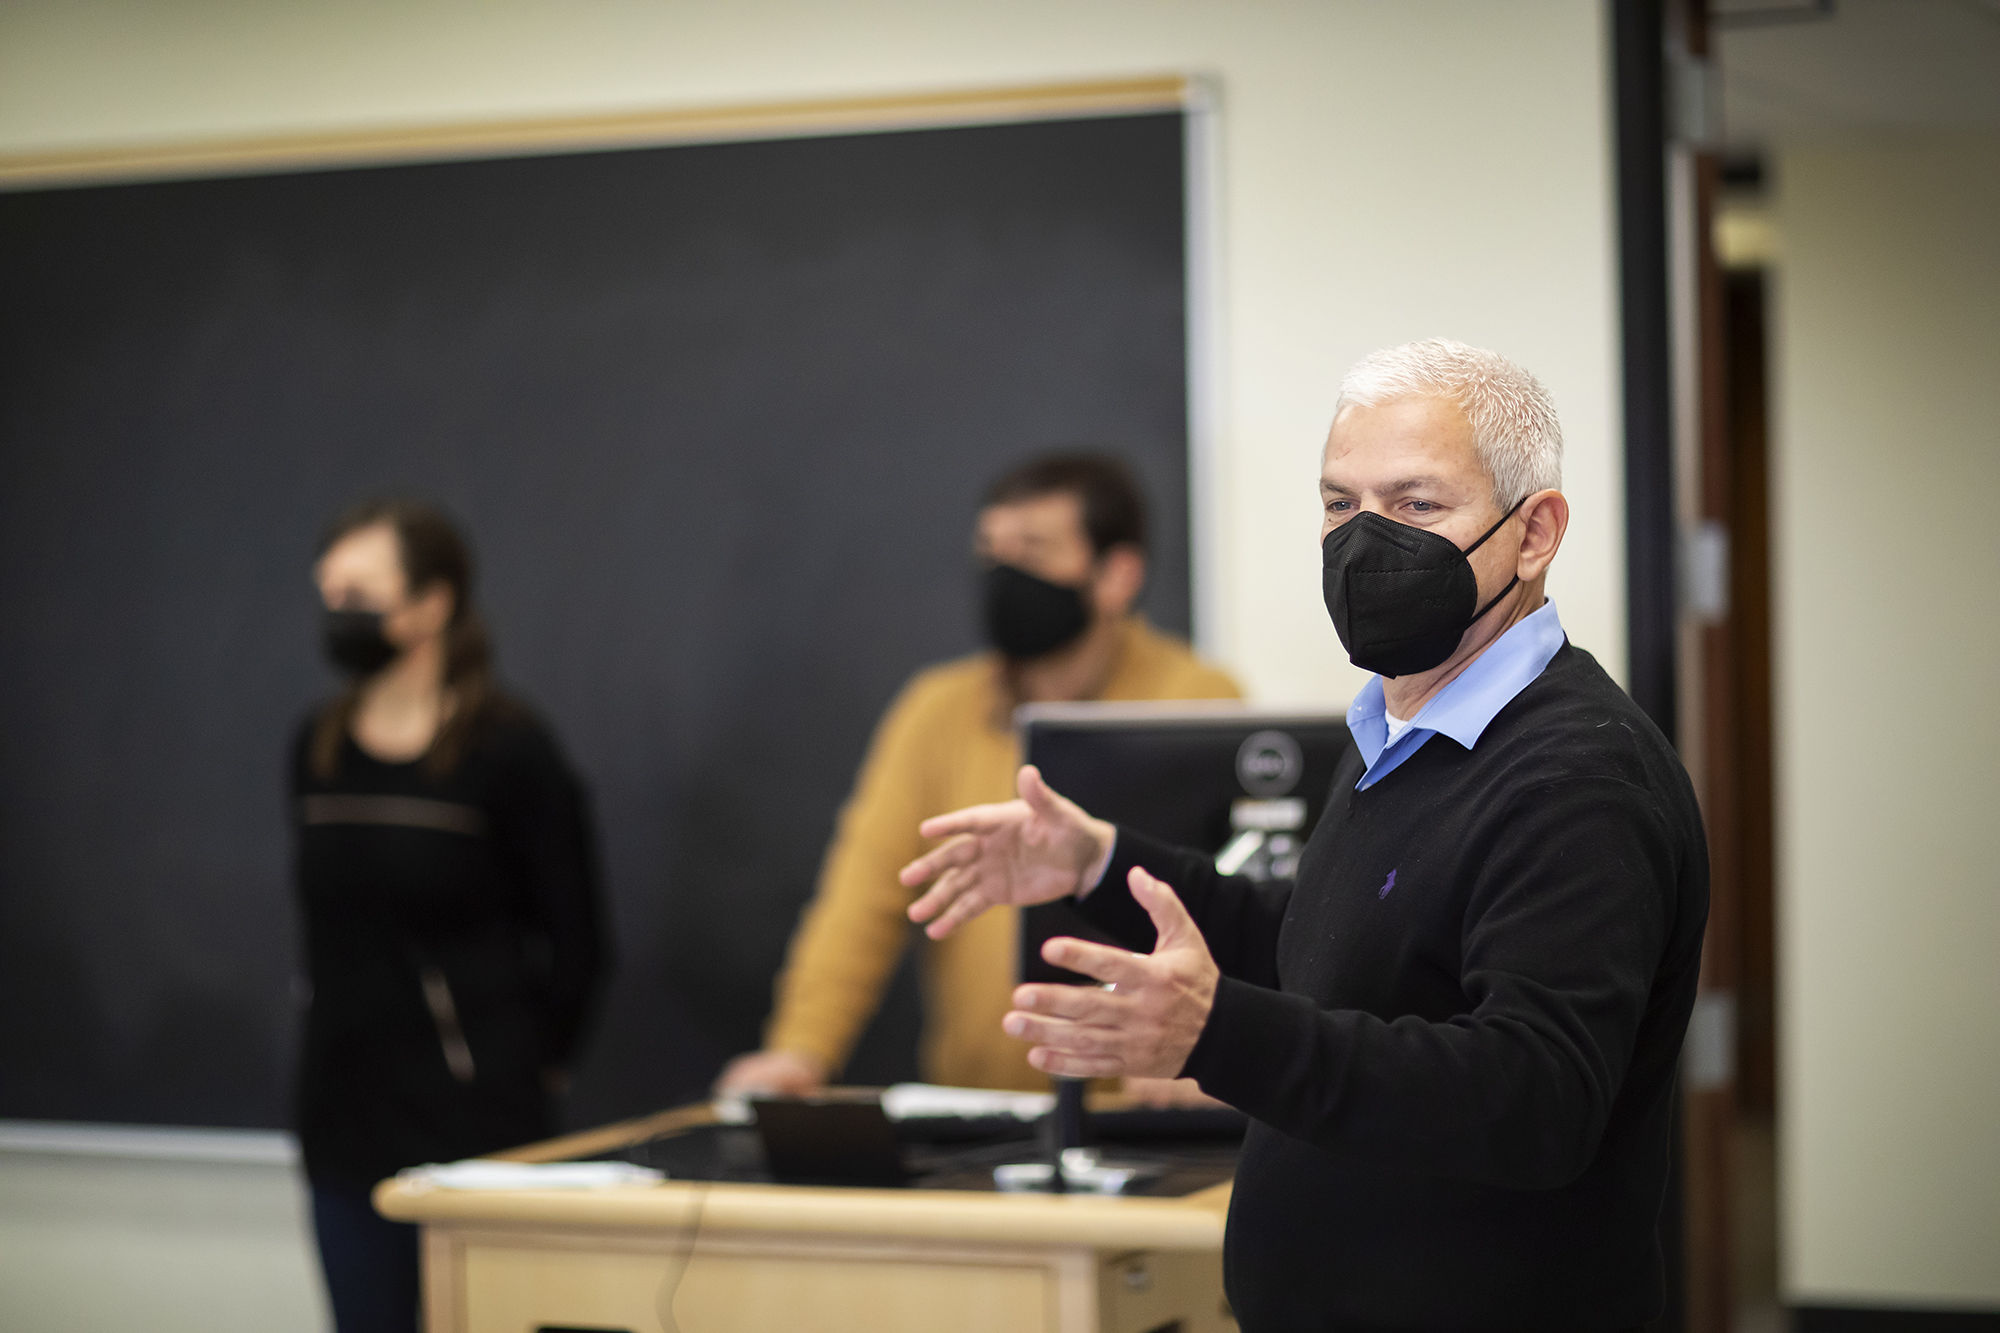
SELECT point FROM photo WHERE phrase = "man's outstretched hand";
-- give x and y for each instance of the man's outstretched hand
(1147, 1023)
(1033, 850)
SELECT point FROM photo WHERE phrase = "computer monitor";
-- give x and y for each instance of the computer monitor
(1246, 784)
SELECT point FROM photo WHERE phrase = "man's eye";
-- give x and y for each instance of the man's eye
(1338, 506)
(1422, 506)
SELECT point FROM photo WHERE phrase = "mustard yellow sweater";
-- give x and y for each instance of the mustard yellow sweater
(945, 742)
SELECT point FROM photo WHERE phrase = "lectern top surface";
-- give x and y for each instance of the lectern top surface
(1191, 1150)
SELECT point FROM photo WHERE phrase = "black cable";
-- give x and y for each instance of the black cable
(670, 1287)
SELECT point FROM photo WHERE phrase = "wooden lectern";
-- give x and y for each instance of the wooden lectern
(694, 1257)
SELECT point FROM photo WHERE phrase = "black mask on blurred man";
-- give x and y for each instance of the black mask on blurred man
(354, 642)
(1401, 597)
(1027, 616)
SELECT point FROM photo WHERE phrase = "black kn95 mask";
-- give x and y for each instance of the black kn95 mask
(1027, 616)
(354, 642)
(1401, 597)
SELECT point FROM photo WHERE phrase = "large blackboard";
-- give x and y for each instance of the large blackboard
(717, 417)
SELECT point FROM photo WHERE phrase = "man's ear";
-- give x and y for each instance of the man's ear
(1121, 575)
(1544, 520)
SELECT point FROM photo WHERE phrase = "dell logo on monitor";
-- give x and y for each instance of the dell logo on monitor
(1268, 764)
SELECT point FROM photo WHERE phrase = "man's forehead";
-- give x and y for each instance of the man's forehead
(1404, 440)
(1419, 481)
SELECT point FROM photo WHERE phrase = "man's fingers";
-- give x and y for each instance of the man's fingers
(1075, 1066)
(1035, 792)
(958, 895)
(961, 850)
(1084, 1003)
(1059, 1034)
(972, 819)
(947, 890)
(969, 904)
(1169, 913)
(1099, 961)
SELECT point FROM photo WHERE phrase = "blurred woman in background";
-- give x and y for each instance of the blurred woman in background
(447, 872)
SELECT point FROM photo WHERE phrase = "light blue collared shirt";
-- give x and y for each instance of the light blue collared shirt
(1462, 709)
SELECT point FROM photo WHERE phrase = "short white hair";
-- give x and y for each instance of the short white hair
(1514, 426)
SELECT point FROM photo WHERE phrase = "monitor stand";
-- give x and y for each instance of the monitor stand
(1067, 1167)
(1064, 1129)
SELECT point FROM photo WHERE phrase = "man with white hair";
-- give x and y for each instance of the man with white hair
(1456, 1037)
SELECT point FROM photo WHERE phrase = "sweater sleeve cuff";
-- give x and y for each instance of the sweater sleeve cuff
(1251, 1046)
(1094, 876)
(1110, 906)
(1132, 848)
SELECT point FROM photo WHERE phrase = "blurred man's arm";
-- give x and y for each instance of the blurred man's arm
(854, 930)
(772, 1073)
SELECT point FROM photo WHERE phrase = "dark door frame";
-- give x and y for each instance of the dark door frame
(1639, 84)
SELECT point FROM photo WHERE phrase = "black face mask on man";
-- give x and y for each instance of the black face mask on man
(1027, 616)
(354, 642)
(1401, 597)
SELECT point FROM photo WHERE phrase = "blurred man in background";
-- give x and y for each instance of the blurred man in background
(1062, 546)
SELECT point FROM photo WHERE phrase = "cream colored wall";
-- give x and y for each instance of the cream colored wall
(1388, 171)
(1886, 480)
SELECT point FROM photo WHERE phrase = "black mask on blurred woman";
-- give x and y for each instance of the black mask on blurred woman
(354, 642)
(1026, 616)
(1401, 597)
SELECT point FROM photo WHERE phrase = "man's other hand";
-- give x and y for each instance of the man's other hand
(1033, 850)
(1146, 1024)
(771, 1073)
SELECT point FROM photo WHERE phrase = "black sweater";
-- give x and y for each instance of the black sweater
(454, 942)
(1457, 1036)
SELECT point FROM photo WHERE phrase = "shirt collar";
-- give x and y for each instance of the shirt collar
(1463, 709)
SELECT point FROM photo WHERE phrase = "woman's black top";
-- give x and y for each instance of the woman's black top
(454, 942)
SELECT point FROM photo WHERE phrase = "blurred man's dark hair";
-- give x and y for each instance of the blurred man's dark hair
(1114, 509)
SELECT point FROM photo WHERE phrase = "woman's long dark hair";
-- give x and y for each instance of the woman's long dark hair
(433, 551)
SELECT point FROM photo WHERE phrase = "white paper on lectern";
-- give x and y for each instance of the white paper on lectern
(485, 1174)
(914, 1101)
(922, 1101)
